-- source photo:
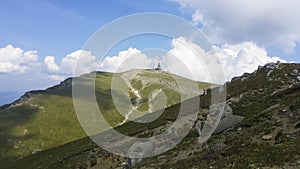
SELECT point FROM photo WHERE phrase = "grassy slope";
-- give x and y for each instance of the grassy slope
(244, 148)
(48, 119)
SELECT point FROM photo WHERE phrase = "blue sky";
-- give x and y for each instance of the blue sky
(45, 35)
(59, 27)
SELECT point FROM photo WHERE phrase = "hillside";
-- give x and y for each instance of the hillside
(44, 119)
(267, 135)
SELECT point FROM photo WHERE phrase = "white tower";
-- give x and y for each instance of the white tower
(158, 64)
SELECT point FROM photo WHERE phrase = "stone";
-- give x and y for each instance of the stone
(218, 147)
(205, 92)
(227, 111)
(228, 122)
(139, 150)
(124, 165)
(267, 137)
(260, 67)
(198, 128)
(235, 79)
(283, 111)
(36, 151)
(244, 78)
(269, 67)
(134, 161)
(294, 73)
(269, 73)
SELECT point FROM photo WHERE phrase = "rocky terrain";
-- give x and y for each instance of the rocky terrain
(260, 128)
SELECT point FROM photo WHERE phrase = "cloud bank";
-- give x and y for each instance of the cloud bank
(16, 60)
(264, 22)
(233, 60)
(126, 60)
(67, 65)
(184, 58)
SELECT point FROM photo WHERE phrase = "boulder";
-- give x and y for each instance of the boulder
(267, 137)
(270, 66)
(227, 111)
(139, 150)
(198, 128)
(218, 147)
(294, 73)
(235, 79)
(228, 122)
(269, 73)
(36, 151)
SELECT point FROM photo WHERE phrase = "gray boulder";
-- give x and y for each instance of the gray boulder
(269, 73)
(227, 111)
(294, 73)
(228, 122)
(218, 147)
(198, 128)
(139, 150)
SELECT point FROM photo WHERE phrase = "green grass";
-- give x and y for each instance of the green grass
(48, 120)
(244, 148)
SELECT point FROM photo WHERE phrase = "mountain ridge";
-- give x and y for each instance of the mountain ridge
(267, 136)
(42, 119)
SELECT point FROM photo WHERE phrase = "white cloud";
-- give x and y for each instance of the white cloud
(197, 17)
(81, 60)
(126, 60)
(265, 22)
(190, 60)
(240, 58)
(86, 62)
(15, 60)
(56, 77)
(51, 66)
(185, 58)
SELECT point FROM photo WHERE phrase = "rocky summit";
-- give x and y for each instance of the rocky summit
(259, 128)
